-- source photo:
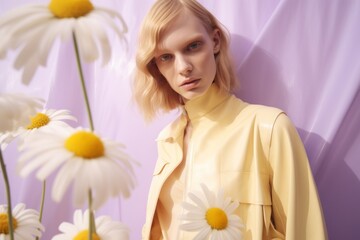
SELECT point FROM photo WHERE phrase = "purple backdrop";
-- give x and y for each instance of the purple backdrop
(301, 56)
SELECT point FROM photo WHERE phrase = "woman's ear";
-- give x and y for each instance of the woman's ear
(216, 40)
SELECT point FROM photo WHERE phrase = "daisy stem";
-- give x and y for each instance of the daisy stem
(42, 203)
(92, 227)
(8, 196)
(42, 200)
(83, 83)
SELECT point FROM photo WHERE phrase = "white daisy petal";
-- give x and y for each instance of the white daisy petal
(51, 164)
(27, 53)
(18, 14)
(24, 32)
(33, 145)
(20, 31)
(86, 42)
(203, 234)
(61, 115)
(197, 200)
(194, 226)
(116, 15)
(23, 29)
(196, 215)
(235, 232)
(102, 39)
(47, 41)
(20, 236)
(66, 28)
(79, 220)
(67, 227)
(32, 149)
(215, 235)
(64, 178)
(18, 208)
(25, 170)
(209, 196)
(81, 186)
(101, 17)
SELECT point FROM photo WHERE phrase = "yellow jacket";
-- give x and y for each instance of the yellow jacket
(254, 153)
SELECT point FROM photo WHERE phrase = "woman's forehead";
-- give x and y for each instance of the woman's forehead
(182, 28)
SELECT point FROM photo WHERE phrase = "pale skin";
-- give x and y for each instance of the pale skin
(185, 56)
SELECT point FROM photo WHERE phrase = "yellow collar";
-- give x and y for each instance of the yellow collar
(202, 105)
(193, 109)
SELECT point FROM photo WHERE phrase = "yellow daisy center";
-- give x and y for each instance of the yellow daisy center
(84, 235)
(38, 121)
(70, 8)
(4, 223)
(85, 144)
(216, 218)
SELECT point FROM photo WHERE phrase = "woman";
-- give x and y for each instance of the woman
(252, 152)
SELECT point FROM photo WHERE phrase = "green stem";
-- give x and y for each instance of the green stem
(8, 197)
(92, 226)
(42, 200)
(83, 83)
(42, 203)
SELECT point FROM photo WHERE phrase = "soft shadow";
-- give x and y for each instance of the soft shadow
(339, 184)
(259, 74)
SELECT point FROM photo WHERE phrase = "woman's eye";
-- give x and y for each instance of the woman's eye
(165, 57)
(194, 45)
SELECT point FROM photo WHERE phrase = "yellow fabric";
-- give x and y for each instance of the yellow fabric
(172, 193)
(254, 153)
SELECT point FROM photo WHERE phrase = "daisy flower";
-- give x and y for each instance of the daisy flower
(90, 162)
(25, 221)
(15, 110)
(106, 228)
(38, 26)
(47, 120)
(211, 216)
(50, 120)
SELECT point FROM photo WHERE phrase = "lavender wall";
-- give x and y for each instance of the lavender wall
(301, 56)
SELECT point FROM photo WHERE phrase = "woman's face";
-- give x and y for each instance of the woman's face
(185, 56)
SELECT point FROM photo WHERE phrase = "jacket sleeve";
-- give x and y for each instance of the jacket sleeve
(296, 209)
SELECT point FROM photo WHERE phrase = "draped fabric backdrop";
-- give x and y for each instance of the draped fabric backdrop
(301, 56)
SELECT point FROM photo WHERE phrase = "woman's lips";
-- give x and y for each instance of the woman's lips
(190, 84)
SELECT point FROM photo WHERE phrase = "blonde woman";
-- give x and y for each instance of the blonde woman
(253, 152)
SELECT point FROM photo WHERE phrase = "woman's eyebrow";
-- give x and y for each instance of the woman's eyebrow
(161, 48)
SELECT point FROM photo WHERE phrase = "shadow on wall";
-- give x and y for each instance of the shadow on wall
(338, 186)
(338, 178)
(261, 82)
(260, 76)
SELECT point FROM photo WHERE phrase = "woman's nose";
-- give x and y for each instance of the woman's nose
(184, 66)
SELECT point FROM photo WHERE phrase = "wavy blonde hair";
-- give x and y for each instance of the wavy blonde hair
(151, 90)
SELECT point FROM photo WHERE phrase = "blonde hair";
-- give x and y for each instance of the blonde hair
(151, 90)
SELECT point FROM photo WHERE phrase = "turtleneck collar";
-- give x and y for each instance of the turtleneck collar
(201, 105)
